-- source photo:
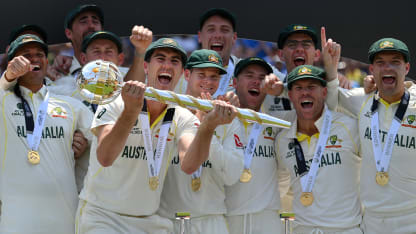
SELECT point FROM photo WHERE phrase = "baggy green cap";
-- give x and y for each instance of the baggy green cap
(23, 40)
(102, 35)
(388, 44)
(252, 60)
(83, 8)
(165, 43)
(28, 27)
(306, 72)
(205, 58)
(296, 28)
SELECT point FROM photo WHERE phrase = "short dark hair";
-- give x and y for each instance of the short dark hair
(223, 13)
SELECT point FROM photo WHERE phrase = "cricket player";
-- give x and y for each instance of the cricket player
(37, 187)
(126, 176)
(218, 32)
(253, 202)
(321, 151)
(387, 129)
(202, 193)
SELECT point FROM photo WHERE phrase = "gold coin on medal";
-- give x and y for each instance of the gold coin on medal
(306, 198)
(33, 157)
(196, 184)
(153, 182)
(382, 178)
(246, 176)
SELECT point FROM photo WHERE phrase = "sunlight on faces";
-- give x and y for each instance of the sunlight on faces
(164, 69)
(202, 80)
(83, 24)
(247, 86)
(102, 49)
(37, 57)
(299, 49)
(217, 34)
(308, 98)
(389, 70)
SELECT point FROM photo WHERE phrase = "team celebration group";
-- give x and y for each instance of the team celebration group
(345, 165)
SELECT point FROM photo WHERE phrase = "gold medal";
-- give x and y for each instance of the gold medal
(33, 157)
(382, 178)
(196, 184)
(306, 198)
(246, 176)
(153, 182)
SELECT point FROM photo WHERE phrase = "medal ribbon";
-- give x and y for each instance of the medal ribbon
(251, 144)
(154, 161)
(382, 158)
(308, 180)
(33, 129)
(225, 80)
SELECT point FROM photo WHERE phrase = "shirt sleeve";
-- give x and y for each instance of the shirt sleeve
(6, 85)
(107, 114)
(227, 153)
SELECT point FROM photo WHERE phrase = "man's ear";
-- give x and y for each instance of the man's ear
(83, 58)
(317, 55)
(68, 34)
(187, 74)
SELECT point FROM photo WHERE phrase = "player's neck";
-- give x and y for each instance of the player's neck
(155, 109)
(307, 127)
(392, 98)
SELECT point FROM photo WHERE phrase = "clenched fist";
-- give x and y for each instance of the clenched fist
(18, 67)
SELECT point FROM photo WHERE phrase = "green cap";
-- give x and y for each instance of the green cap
(388, 44)
(165, 43)
(296, 28)
(80, 9)
(306, 72)
(23, 40)
(28, 27)
(205, 58)
(102, 35)
(252, 60)
(223, 13)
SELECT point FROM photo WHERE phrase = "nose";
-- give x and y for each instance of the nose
(299, 47)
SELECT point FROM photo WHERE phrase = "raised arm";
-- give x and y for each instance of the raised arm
(111, 138)
(141, 38)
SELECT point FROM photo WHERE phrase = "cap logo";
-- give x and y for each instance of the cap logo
(213, 58)
(28, 38)
(169, 41)
(386, 44)
(299, 27)
(304, 71)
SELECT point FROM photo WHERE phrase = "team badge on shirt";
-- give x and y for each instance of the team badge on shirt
(334, 142)
(409, 121)
(59, 112)
(268, 133)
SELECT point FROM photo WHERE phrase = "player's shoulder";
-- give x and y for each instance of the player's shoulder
(343, 118)
(183, 114)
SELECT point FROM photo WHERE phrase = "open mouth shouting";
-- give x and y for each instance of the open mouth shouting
(388, 79)
(306, 104)
(164, 78)
(35, 67)
(299, 61)
(217, 46)
(255, 92)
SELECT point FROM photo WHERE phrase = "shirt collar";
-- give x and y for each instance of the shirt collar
(75, 66)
